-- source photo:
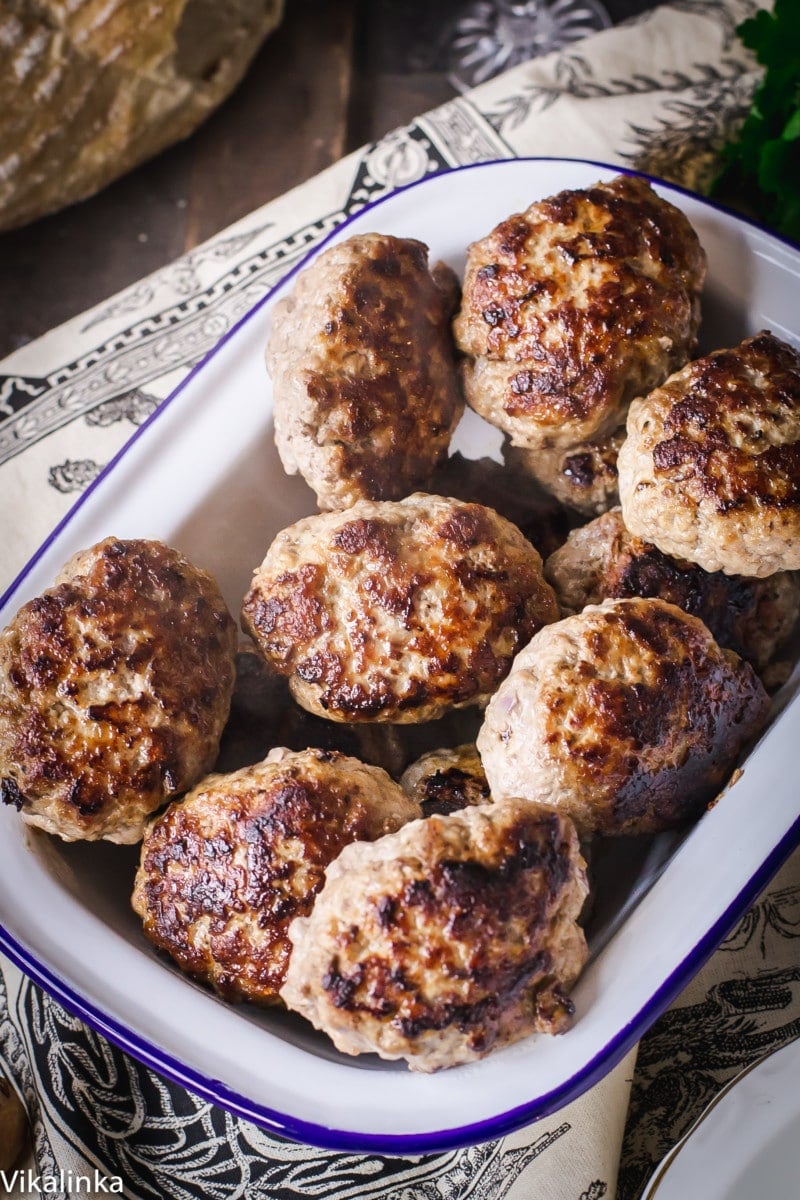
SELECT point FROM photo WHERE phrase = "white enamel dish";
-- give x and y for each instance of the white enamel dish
(203, 475)
(745, 1144)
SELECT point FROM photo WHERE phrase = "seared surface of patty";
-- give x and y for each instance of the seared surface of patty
(264, 715)
(628, 717)
(583, 477)
(603, 561)
(397, 611)
(115, 685)
(362, 361)
(575, 306)
(447, 940)
(224, 871)
(710, 469)
(444, 781)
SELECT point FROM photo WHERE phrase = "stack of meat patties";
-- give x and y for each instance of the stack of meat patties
(408, 876)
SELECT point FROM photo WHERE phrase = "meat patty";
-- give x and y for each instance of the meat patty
(263, 715)
(583, 477)
(574, 307)
(444, 781)
(447, 940)
(628, 717)
(603, 561)
(508, 488)
(710, 470)
(224, 871)
(397, 611)
(115, 686)
(365, 386)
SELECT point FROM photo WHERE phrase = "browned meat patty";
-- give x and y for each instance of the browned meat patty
(510, 490)
(115, 685)
(444, 781)
(447, 940)
(628, 717)
(224, 871)
(583, 477)
(710, 469)
(264, 715)
(397, 611)
(362, 361)
(574, 307)
(603, 561)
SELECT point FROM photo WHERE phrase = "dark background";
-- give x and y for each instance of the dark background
(336, 74)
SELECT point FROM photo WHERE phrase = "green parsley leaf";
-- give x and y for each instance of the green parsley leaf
(761, 172)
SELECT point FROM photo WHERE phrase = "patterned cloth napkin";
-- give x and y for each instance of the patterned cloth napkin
(660, 94)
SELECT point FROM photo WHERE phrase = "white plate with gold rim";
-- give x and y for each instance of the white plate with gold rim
(746, 1144)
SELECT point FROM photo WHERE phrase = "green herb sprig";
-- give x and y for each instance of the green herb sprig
(762, 167)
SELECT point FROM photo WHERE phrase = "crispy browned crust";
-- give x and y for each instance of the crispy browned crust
(224, 871)
(603, 561)
(627, 716)
(114, 688)
(444, 781)
(263, 715)
(576, 306)
(446, 941)
(582, 477)
(397, 611)
(365, 384)
(711, 468)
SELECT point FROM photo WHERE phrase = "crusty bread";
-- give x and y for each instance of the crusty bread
(13, 1126)
(90, 89)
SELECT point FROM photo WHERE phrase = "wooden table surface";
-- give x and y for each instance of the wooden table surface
(336, 74)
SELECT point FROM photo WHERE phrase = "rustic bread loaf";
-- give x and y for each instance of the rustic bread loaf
(13, 1126)
(91, 88)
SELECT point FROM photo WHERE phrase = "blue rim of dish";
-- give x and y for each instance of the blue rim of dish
(313, 1134)
(296, 1128)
